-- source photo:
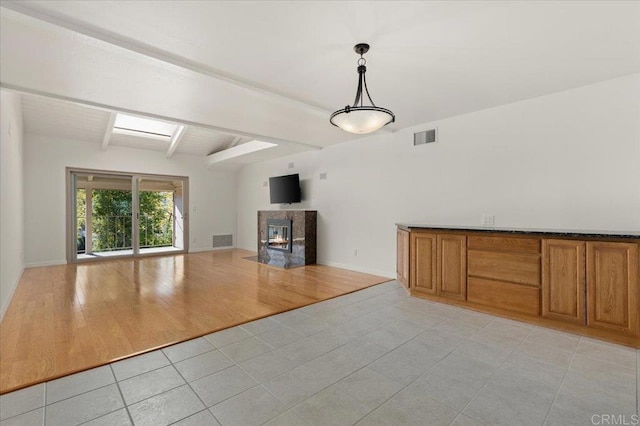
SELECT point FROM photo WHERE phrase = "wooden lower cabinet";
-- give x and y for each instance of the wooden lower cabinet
(589, 286)
(504, 273)
(505, 296)
(402, 259)
(439, 265)
(452, 266)
(563, 280)
(423, 262)
(518, 268)
(613, 286)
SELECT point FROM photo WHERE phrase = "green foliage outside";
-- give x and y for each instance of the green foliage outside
(156, 219)
(81, 217)
(112, 219)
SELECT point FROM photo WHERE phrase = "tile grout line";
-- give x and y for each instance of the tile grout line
(206, 407)
(384, 375)
(493, 372)
(462, 341)
(191, 415)
(573, 354)
(348, 304)
(180, 343)
(138, 375)
(257, 382)
(286, 408)
(124, 402)
(78, 394)
(26, 412)
(44, 412)
(304, 337)
(328, 386)
(193, 390)
(414, 380)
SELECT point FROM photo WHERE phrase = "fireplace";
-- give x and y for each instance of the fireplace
(279, 235)
(287, 238)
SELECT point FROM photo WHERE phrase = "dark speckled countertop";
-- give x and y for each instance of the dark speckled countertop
(529, 231)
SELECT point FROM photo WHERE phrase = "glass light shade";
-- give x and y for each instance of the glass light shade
(361, 120)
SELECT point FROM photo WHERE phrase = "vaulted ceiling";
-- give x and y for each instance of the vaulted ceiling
(274, 71)
(63, 119)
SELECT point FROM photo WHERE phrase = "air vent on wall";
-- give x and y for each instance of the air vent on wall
(427, 136)
(222, 241)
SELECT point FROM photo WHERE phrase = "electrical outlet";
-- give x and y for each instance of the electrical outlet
(488, 220)
(323, 176)
(291, 165)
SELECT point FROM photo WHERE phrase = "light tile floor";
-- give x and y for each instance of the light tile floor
(374, 357)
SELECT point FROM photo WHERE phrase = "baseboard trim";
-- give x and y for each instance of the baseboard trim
(196, 250)
(7, 302)
(46, 263)
(386, 274)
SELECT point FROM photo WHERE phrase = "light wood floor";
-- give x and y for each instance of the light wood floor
(69, 318)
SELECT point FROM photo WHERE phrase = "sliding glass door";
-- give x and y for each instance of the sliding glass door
(114, 214)
(160, 218)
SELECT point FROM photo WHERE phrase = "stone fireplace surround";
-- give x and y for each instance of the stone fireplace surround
(302, 238)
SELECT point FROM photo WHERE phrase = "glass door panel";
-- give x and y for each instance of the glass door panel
(103, 212)
(160, 217)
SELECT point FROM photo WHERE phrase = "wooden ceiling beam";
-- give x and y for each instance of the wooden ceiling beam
(175, 140)
(109, 131)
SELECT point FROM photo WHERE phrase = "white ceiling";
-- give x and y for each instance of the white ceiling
(67, 120)
(44, 116)
(275, 70)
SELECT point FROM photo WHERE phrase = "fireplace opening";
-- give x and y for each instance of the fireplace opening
(279, 235)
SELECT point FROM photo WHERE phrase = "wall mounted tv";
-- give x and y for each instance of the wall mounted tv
(285, 189)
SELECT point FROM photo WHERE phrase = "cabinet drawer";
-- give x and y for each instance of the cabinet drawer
(512, 297)
(519, 268)
(510, 244)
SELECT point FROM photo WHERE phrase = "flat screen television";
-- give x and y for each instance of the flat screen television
(285, 189)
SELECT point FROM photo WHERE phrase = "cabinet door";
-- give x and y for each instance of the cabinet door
(452, 266)
(612, 286)
(402, 267)
(563, 280)
(423, 262)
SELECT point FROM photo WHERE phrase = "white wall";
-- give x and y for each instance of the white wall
(11, 197)
(212, 194)
(568, 160)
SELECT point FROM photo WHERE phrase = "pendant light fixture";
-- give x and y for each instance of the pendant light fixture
(360, 118)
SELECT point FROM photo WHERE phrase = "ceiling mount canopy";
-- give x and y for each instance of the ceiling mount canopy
(360, 118)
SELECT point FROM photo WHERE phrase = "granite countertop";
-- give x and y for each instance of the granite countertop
(530, 231)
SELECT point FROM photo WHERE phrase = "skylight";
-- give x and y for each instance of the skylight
(144, 127)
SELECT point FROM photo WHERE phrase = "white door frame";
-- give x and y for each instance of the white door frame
(71, 241)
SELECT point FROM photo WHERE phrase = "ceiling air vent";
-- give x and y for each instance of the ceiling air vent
(427, 136)
(222, 241)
